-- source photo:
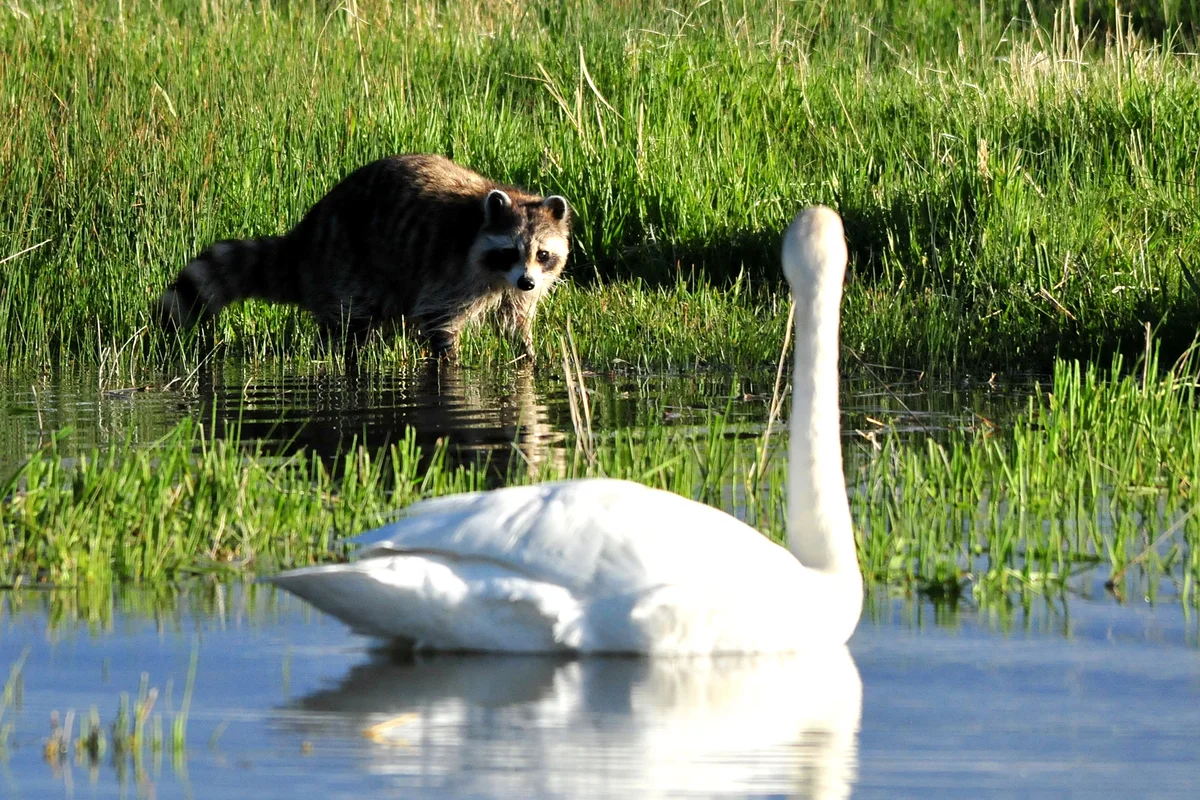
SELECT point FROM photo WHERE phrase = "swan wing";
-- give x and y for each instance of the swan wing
(590, 536)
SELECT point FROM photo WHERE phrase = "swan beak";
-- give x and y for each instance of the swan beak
(376, 732)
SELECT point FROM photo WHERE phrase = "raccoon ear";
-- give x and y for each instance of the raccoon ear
(557, 206)
(497, 202)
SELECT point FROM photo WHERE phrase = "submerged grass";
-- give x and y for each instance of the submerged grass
(135, 732)
(1094, 473)
(1016, 183)
(1099, 473)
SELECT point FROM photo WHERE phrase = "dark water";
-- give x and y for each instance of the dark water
(480, 415)
(1103, 702)
(1082, 697)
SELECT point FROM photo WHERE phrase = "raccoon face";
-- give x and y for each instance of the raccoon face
(524, 246)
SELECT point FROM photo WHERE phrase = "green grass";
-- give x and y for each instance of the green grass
(1012, 189)
(1015, 189)
(1099, 471)
(1096, 476)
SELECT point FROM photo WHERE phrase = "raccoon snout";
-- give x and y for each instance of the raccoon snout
(523, 278)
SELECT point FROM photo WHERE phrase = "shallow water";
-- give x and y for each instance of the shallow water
(1103, 701)
(1082, 696)
(480, 415)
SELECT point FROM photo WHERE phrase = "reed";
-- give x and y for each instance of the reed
(1017, 184)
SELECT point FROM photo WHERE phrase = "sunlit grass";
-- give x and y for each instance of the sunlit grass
(1014, 187)
(1101, 471)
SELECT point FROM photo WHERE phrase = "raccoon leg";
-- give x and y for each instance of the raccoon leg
(348, 338)
(514, 317)
(524, 337)
(444, 344)
(341, 329)
(527, 341)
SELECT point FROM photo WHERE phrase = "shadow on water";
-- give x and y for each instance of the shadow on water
(522, 726)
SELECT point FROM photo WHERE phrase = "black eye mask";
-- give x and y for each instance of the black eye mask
(501, 260)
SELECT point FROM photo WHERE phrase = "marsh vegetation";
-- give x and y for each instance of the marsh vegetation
(1018, 183)
(1016, 186)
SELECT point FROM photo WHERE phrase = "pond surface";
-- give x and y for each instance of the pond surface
(480, 415)
(1082, 696)
(1101, 702)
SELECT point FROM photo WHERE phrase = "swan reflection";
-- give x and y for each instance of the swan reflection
(521, 726)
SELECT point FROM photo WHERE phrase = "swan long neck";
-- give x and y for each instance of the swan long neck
(820, 533)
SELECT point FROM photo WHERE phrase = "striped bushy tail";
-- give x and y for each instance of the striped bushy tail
(226, 272)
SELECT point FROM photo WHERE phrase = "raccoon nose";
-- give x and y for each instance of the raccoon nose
(525, 283)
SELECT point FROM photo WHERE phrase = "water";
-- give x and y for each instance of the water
(1101, 702)
(1083, 696)
(481, 416)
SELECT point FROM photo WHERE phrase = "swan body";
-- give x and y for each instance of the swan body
(600, 565)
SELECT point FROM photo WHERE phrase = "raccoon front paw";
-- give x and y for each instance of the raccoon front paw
(528, 357)
(444, 348)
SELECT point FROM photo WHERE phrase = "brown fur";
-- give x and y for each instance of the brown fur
(413, 241)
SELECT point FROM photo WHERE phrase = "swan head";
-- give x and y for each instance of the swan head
(814, 250)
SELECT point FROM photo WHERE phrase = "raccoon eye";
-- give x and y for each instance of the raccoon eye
(542, 256)
(501, 259)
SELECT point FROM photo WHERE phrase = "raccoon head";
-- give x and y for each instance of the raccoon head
(523, 245)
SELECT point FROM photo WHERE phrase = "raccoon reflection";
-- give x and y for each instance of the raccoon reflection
(412, 241)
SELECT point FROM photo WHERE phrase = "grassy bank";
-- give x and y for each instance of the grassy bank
(1095, 475)
(1013, 186)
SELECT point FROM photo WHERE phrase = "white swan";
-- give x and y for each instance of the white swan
(599, 565)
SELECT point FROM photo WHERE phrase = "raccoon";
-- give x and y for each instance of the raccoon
(411, 241)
